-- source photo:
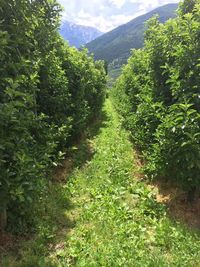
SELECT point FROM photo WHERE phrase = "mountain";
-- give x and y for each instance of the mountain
(116, 44)
(78, 35)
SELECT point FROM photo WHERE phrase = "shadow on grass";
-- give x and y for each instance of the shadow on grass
(81, 151)
(51, 219)
(85, 150)
(52, 215)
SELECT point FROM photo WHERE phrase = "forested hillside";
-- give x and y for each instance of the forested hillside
(49, 94)
(116, 45)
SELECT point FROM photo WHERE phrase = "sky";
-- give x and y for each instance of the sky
(106, 15)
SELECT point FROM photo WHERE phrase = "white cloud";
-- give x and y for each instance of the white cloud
(149, 4)
(118, 3)
(107, 14)
(100, 22)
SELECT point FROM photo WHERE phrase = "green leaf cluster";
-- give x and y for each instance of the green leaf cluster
(158, 97)
(49, 94)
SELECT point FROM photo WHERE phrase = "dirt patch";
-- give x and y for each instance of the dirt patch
(178, 206)
(78, 155)
(138, 165)
(62, 172)
(9, 242)
(172, 196)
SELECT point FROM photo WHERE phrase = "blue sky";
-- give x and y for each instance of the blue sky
(107, 14)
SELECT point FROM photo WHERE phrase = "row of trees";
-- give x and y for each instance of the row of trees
(158, 96)
(49, 93)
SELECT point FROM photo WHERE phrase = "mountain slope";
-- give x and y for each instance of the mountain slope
(78, 35)
(117, 43)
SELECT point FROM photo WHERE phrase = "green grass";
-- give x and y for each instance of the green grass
(105, 216)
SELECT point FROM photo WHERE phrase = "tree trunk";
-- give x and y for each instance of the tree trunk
(3, 218)
(192, 194)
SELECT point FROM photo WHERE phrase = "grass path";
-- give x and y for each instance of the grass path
(115, 219)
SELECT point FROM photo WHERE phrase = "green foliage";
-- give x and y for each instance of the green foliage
(177, 151)
(115, 218)
(187, 6)
(158, 97)
(49, 94)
